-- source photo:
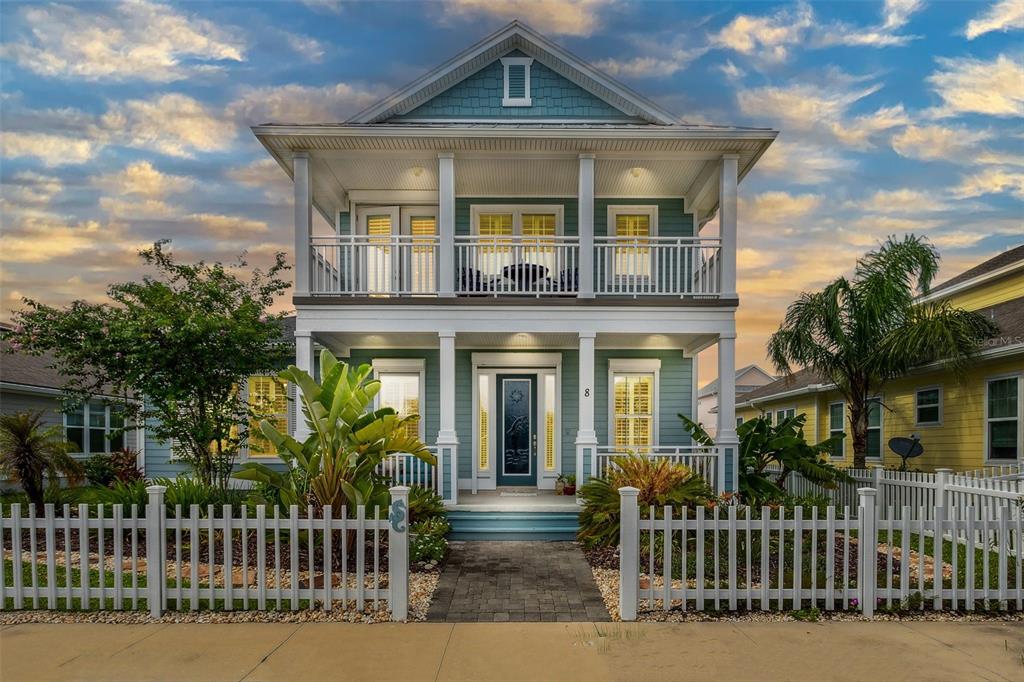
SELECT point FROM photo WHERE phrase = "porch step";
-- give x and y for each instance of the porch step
(509, 525)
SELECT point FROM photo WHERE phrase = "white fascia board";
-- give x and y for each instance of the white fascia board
(455, 131)
(971, 283)
(371, 319)
(813, 388)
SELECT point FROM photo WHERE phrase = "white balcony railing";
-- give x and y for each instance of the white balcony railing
(512, 266)
(653, 266)
(404, 469)
(701, 460)
(372, 265)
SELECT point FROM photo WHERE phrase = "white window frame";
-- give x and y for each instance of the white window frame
(783, 410)
(409, 212)
(941, 405)
(1020, 417)
(107, 428)
(405, 366)
(244, 455)
(842, 426)
(506, 100)
(650, 210)
(517, 211)
(627, 366)
(880, 427)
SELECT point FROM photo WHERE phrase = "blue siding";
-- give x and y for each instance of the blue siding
(480, 95)
(432, 371)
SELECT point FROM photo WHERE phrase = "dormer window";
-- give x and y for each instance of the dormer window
(517, 82)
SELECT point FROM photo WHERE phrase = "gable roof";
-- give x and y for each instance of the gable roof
(1005, 260)
(711, 388)
(515, 36)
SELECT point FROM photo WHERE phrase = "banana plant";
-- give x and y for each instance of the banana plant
(349, 439)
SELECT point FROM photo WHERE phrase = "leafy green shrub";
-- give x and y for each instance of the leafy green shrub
(424, 504)
(427, 543)
(660, 482)
(187, 491)
(811, 615)
(104, 469)
(125, 493)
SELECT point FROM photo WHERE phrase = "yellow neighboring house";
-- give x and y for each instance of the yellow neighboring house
(963, 424)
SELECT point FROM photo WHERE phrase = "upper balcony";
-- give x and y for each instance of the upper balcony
(470, 212)
(516, 266)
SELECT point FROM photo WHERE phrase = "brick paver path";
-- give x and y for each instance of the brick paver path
(516, 581)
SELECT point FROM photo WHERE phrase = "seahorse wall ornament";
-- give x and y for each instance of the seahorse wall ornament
(397, 516)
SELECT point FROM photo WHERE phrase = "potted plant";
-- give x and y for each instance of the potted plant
(560, 484)
(570, 485)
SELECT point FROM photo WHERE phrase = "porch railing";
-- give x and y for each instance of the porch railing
(516, 266)
(652, 266)
(404, 469)
(702, 460)
(373, 265)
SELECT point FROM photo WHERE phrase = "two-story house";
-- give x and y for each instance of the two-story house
(519, 249)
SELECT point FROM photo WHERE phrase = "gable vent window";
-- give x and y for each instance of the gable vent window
(517, 82)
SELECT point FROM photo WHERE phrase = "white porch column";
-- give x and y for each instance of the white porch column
(447, 438)
(585, 196)
(586, 436)
(726, 439)
(727, 197)
(304, 359)
(303, 221)
(446, 223)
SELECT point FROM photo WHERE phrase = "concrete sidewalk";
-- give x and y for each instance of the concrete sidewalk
(516, 651)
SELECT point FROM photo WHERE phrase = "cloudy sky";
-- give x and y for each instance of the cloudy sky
(125, 123)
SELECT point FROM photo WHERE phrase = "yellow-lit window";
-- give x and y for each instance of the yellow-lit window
(421, 266)
(483, 445)
(633, 258)
(495, 224)
(539, 225)
(378, 255)
(634, 409)
(268, 397)
(495, 251)
(549, 423)
(402, 392)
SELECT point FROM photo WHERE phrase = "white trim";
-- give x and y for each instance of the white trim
(941, 405)
(410, 212)
(416, 366)
(783, 410)
(517, 211)
(650, 366)
(516, 360)
(525, 100)
(1020, 416)
(364, 212)
(880, 427)
(87, 427)
(842, 426)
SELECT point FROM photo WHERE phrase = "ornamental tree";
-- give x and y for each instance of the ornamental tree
(174, 347)
(862, 332)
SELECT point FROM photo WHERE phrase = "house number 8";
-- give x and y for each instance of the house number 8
(586, 393)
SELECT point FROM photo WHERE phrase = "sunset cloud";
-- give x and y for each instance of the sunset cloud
(975, 86)
(565, 17)
(1001, 16)
(142, 179)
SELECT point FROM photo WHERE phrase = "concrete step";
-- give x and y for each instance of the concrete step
(480, 525)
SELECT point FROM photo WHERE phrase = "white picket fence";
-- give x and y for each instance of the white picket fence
(764, 559)
(989, 490)
(87, 561)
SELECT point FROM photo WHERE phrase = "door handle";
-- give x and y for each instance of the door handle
(535, 443)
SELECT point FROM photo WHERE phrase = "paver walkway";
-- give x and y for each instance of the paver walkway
(516, 581)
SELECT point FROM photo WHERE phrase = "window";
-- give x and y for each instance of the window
(484, 444)
(928, 406)
(782, 415)
(94, 428)
(1003, 419)
(401, 388)
(533, 230)
(836, 425)
(549, 422)
(419, 272)
(633, 227)
(739, 422)
(517, 82)
(874, 428)
(634, 402)
(269, 398)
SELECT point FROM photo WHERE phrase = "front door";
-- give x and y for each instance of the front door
(517, 442)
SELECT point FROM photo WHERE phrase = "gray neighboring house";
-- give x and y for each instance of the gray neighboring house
(747, 379)
(29, 384)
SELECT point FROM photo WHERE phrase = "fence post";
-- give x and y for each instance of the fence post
(877, 481)
(629, 551)
(941, 481)
(867, 554)
(154, 550)
(398, 553)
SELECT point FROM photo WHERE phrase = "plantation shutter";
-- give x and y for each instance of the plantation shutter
(517, 81)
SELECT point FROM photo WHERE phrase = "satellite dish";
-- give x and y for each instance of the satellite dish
(906, 448)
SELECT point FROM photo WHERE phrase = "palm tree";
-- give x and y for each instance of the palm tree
(859, 333)
(32, 455)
